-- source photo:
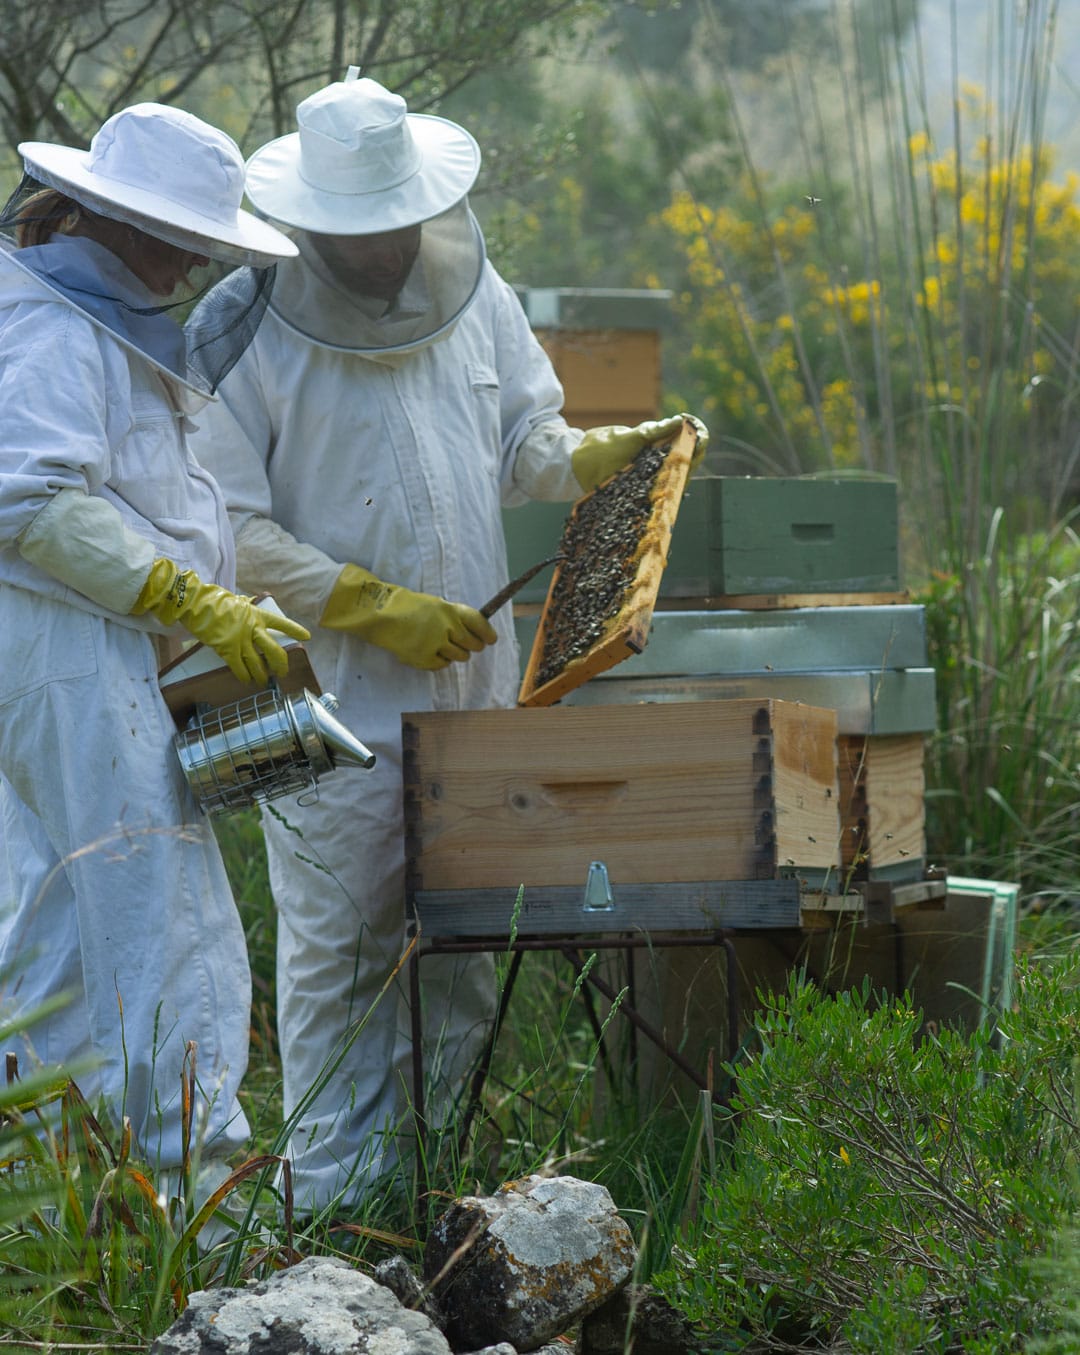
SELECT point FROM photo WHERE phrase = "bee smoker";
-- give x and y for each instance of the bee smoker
(263, 747)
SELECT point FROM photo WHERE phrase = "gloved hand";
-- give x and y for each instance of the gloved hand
(419, 629)
(230, 624)
(702, 444)
(603, 451)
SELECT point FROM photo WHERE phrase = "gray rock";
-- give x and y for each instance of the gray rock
(402, 1281)
(505, 1348)
(524, 1265)
(321, 1306)
(639, 1320)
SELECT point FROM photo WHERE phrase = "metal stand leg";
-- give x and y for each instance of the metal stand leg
(479, 1076)
(649, 1031)
(571, 953)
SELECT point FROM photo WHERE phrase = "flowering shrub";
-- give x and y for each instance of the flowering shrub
(888, 1187)
(935, 339)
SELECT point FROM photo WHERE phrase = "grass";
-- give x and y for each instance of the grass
(91, 1253)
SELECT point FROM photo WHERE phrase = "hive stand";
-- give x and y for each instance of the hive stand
(621, 828)
(571, 944)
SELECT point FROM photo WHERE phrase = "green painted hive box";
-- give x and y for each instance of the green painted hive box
(751, 535)
(771, 535)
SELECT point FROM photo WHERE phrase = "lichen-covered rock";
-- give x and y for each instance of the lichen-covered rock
(527, 1263)
(637, 1318)
(404, 1283)
(321, 1306)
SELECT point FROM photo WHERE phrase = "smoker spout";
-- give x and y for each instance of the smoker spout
(344, 748)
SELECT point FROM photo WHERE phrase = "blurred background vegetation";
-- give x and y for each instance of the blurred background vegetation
(866, 212)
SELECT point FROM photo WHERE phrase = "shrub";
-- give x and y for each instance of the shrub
(885, 1191)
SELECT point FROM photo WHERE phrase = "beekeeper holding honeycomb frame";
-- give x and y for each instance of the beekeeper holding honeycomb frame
(393, 401)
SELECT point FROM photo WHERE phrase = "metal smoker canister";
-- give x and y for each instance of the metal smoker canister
(263, 747)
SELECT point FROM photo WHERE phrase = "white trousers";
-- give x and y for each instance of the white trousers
(336, 869)
(117, 893)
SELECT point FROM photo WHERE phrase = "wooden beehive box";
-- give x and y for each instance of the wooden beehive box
(600, 601)
(607, 376)
(605, 347)
(747, 538)
(882, 806)
(701, 791)
(770, 535)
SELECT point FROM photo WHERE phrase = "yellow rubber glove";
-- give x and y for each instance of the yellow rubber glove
(603, 451)
(232, 626)
(419, 629)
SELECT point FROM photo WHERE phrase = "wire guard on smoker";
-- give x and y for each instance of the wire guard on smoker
(263, 747)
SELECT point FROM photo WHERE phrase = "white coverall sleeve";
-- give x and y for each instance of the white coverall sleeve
(54, 390)
(298, 576)
(537, 440)
(542, 468)
(85, 543)
(233, 441)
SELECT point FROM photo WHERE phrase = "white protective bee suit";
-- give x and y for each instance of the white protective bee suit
(114, 900)
(112, 887)
(379, 426)
(401, 464)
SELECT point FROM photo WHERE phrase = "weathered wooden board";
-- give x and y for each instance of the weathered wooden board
(711, 790)
(779, 602)
(627, 631)
(558, 910)
(882, 804)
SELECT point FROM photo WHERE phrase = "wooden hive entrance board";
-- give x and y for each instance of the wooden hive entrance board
(601, 599)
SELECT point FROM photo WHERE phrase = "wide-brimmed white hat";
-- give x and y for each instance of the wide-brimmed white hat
(361, 164)
(168, 173)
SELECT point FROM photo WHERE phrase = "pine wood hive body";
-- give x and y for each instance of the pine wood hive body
(882, 803)
(711, 790)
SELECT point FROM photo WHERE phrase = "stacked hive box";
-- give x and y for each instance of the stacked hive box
(790, 588)
(775, 591)
(704, 815)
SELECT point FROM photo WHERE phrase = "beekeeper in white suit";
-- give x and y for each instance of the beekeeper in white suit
(112, 539)
(394, 398)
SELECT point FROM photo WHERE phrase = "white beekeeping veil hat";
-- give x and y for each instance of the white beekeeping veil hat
(361, 165)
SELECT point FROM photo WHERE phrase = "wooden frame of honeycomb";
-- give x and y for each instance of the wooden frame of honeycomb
(600, 602)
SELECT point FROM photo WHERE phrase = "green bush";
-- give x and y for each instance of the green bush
(886, 1191)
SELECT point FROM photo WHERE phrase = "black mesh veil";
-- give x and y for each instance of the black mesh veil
(224, 322)
(50, 241)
